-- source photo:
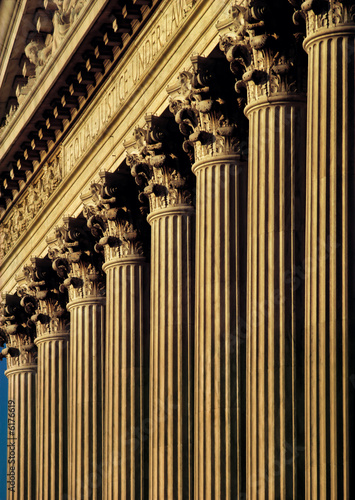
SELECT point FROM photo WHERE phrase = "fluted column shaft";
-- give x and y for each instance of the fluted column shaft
(274, 294)
(87, 328)
(21, 443)
(220, 329)
(52, 411)
(125, 438)
(171, 353)
(330, 248)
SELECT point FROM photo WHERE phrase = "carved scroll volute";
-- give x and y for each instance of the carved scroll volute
(51, 316)
(264, 49)
(114, 219)
(158, 165)
(208, 112)
(75, 260)
(18, 332)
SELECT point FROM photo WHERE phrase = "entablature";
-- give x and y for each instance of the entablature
(93, 139)
(60, 83)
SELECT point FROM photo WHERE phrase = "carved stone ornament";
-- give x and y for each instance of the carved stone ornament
(27, 208)
(264, 49)
(113, 219)
(208, 112)
(322, 14)
(36, 54)
(18, 332)
(43, 286)
(76, 261)
(63, 17)
(8, 117)
(157, 165)
(60, 15)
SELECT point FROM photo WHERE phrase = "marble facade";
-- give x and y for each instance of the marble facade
(176, 248)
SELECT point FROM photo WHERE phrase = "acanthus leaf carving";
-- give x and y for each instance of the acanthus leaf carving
(158, 166)
(50, 314)
(17, 331)
(23, 212)
(321, 14)
(208, 112)
(114, 215)
(264, 49)
(76, 262)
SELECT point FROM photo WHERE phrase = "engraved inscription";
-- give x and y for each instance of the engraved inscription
(145, 54)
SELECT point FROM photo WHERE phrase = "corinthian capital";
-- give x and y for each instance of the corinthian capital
(17, 330)
(42, 290)
(324, 14)
(207, 110)
(157, 165)
(113, 218)
(264, 48)
(75, 260)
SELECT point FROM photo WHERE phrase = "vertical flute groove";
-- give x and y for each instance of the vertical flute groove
(329, 268)
(219, 336)
(275, 296)
(85, 395)
(21, 450)
(52, 422)
(124, 439)
(171, 376)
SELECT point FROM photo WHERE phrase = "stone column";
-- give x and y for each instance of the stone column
(82, 265)
(265, 53)
(52, 335)
(20, 353)
(164, 184)
(207, 111)
(330, 247)
(114, 219)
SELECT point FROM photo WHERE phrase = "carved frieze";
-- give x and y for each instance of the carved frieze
(36, 54)
(64, 16)
(264, 49)
(9, 116)
(30, 204)
(113, 218)
(18, 332)
(158, 166)
(76, 261)
(209, 114)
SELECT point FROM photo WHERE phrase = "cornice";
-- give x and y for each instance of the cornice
(50, 74)
(75, 86)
